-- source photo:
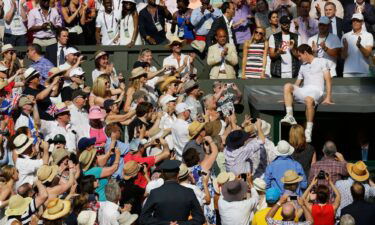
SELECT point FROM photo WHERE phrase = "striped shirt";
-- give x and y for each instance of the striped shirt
(26, 217)
(254, 62)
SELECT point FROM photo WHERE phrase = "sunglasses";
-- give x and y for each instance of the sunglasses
(257, 32)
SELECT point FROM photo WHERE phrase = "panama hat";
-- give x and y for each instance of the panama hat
(61, 108)
(131, 169)
(175, 39)
(86, 217)
(198, 45)
(86, 158)
(194, 128)
(283, 148)
(358, 171)
(168, 81)
(137, 72)
(99, 54)
(7, 47)
(56, 209)
(54, 72)
(127, 219)
(221, 179)
(59, 154)
(183, 172)
(259, 184)
(46, 173)
(22, 142)
(234, 190)
(24, 101)
(18, 205)
(291, 177)
(3, 83)
(30, 73)
(132, 1)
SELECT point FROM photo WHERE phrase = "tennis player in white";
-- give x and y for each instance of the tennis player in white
(314, 74)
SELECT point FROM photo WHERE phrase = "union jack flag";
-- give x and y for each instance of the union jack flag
(52, 110)
(9, 104)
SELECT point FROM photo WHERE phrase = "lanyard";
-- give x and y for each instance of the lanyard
(105, 22)
(42, 16)
(317, 41)
(127, 21)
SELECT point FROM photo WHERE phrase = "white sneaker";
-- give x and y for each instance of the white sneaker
(308, 135)
(289, 119)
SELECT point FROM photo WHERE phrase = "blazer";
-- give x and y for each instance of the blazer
(218, 23)
(339, 27)
(361, 211)
(214, 60)
(51, 53)
(368, 14)
(172, 202)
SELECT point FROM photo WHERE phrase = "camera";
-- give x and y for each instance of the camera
(293, 197)
(253, 120)
(322, 175)
(229, 85)
(21, 55)
(243, 176)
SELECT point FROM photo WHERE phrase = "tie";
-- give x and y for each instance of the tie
(62, 57)
(330, 27)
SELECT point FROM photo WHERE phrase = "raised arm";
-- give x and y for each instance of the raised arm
(209, 159)
(108, 171)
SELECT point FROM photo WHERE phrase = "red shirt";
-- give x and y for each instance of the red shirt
(150, 161)
(323, 214)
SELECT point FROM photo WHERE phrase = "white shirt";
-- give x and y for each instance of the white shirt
(109, 25)
(198, 192)
(331, 41)
(51, 128)
(23, 121)
(114, 80)
(180, 136)
(239, 211)
(27, 169)
(108, 213)
(196, 107)
(312, 73)
(172, 61)
(58, 53)
(334, 26)
(80, 119)
(356, 62)
(16, 26)
(286, 59)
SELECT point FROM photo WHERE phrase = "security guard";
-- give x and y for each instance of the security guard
(171, 203)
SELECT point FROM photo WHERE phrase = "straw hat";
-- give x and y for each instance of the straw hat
(283, 148)
(198, 45)
(53, 72)
(291, 177)
(6, 48)
(259, 184)
(194, 128)
(86, 158)
(17, 205)
(61, 108)
(221, 179)
(3, 83)
(358, 171)
(175, 39)
(86, 217)
(30, 73)
(168, 81)
(131, 169)
(137, 72)
(184, 171)
(47, 173)
(56, 209)
(59, 154)
(127, 219)
(22, 142)
(24, 101)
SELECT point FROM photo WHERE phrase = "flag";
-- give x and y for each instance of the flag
(52, 110)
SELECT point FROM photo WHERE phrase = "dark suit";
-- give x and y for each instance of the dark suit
(172, 202)
(339, 27)
(218, 23)
(362, 212)
(368, 14)
(51, 53)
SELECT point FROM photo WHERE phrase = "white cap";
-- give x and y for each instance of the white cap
(76, 72)
(357, 16)
(71, 50)
(182, 107)
(166, 99)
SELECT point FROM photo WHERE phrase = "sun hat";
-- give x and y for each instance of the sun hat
(166, 99)
(46, 173)
(131, 169)
(85, 142)
(259, 184)
(324, 20)
(153, 184)
(127, 219)
(285, 19)
(60, 108)
(283, 148)
(183, 172)
(86, 158)
(17, 205)
(182, 107)
(6, 48)
(86, 217)
(137, 72)
(272, 195)
(56, 209)
(54, 72)
(190, 85)
(168, 81)
(173, 40)
(236, 139)
(3, 68)
(194, 128)
(234, 190)
(198, 45)
(357, 16)
(221, 179)
(29, 73)
(358, 171)
(291, 177)
(3, 83)
(76, 72)
(213, 128)
(59, 154)
(71, 50)
(96, 113)
(99, 54)
(22, 142)
(24, 100)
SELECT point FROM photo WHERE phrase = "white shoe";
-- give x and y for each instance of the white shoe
(308, 135)
(289, 119)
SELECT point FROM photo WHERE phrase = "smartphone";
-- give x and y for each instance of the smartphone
(253, 120)
(243, 176)
(293, 197)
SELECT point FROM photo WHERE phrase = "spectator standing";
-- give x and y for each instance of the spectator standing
(74, 16)
(38, 62)
(304, 25)
(194, 94)
(44, 21)
(356, 48)
(129, 31)
(79, 115)
(360, 7)
(152, 21)
(284, 8)
(241, 22)
(337, 24)
(182, 19)
(273, 28)
(29, 114)
(56, 52)
(196, 136)
(318, 8)
(272, 196)
(202, 19)
(15, 16)
(180, 129)
(108, 25)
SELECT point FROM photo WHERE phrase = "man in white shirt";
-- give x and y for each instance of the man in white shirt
(326, 45)
(180, 131)
(15, 17)
(107, 25)
(192, 100)
(356, 49)
(79, 115)
(314, 73)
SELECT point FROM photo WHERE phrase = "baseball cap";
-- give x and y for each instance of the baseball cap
(166, 99)
(71, 50)
(284, 20)
(357, 16)
(324, 20)
(272, 195)
(85, 142)
(76, 72)
(182, 107)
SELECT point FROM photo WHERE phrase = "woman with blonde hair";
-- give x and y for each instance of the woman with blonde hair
(304, 153)
(138, 80)
(255, 52)
(8, 177)
(102, 91)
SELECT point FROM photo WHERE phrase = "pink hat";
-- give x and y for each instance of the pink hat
(96, 113)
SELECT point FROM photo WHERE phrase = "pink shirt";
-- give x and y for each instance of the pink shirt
(100, 136)
(36, 18)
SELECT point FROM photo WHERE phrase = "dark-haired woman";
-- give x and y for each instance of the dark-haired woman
(181, 18)
(74, 16)
(129, 34)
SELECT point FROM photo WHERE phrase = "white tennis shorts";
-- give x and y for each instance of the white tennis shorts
(300, 93)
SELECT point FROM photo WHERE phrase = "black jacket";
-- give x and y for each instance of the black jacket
(51, 53)
(218, 23)
(172, 202)
(339, 27)
(362, 212)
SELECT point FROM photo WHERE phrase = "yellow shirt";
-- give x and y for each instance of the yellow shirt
(260, 216)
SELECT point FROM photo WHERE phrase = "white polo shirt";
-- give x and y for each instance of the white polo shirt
(312, 73)
(172, 61)
(356, 62)
(109, 25)
(16, 27)
(80, 119)
(180, 136)
(27, 169)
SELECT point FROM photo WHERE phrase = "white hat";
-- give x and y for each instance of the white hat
(182, 107)
(6, 48)
(357, 16)
(266, 127)
(153, 185)
(71, 50)
(132, 1)
(22, 142)
(283, 148)
(86, 217)
(127, 219)
(30, 72)
(3, 68)
(259, 184)
(166, 99)
(76, 72)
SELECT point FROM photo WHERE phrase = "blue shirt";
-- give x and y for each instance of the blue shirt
(276, 169)
(43, 65)
(203, 22)
(124, 148)
(100, 190)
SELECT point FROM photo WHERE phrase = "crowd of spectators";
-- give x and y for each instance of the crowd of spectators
(150, 147)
